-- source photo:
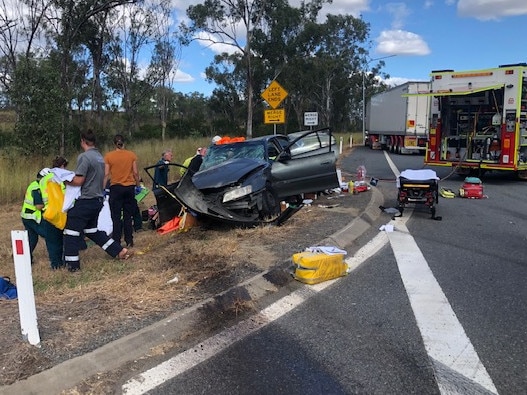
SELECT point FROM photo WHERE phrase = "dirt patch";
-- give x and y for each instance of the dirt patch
(109, 299)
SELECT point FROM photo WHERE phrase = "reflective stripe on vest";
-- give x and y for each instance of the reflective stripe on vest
(29, 210)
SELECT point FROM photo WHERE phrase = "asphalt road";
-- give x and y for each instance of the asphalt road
(372, 331)
(437, 307)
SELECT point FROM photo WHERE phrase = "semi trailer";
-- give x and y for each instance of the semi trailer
(397, 119)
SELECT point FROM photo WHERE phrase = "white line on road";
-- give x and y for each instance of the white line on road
(456, 364)
(182, 362)
(452, 354)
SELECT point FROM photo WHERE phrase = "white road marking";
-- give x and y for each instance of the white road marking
(182, 362)
(457, 367)
(454, 359)
(456, 364)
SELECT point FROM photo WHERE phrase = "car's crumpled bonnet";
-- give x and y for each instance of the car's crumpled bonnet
(226, 173)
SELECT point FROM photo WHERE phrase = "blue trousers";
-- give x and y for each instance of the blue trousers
(82, 220)
(52, 236)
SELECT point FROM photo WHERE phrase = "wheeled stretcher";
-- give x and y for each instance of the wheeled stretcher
(419, 187)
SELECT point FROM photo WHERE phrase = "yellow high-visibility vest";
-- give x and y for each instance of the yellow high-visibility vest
(29, 210)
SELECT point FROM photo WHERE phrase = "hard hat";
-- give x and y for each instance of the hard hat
(215, 139)
(44, 172)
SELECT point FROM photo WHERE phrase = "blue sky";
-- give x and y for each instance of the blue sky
(423, 36)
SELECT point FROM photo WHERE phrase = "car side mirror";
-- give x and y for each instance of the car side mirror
(284, 155)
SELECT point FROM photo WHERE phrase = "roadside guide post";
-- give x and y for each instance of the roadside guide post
(274, 94)
(24, 283)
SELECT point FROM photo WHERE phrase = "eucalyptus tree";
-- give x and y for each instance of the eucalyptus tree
(97, 38)
(136, 31)
(227, 101)
(22, 26)
(69, 23)
(316, 60)
(231, 24)
(37, 95)
(163, 65)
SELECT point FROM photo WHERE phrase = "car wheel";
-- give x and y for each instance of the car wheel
(270, 204)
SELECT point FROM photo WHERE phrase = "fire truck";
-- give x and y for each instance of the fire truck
(478, 120)
(397, 122)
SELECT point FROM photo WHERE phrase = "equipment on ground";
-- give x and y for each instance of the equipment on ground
(418, 187)
(472, 188)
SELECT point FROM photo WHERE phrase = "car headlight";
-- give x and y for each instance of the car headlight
(237, 193)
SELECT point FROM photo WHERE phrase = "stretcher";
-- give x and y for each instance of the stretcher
(418, 187)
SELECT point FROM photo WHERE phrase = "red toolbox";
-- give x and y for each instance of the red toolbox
(472, 188)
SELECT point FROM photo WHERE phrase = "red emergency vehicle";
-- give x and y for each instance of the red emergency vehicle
(478, 120)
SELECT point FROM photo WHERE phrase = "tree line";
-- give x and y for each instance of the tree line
(66, 65)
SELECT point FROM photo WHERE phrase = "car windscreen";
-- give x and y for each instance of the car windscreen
(217, 154)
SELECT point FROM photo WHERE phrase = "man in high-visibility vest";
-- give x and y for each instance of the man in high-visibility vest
(35, 202)
(194, 162)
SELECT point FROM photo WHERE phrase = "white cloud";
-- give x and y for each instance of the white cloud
(182, 77)
(491, 9)
(207, 40)
(401, 42)
(395, 81)
(399, 12)
(350, 7)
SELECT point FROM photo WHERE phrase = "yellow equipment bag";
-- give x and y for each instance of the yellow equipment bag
(316, 267)
(53, 213)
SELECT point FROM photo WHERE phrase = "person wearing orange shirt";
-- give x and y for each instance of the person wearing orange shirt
(120, 167)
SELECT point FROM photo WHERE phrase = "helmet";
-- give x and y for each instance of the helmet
(44, 172)
(215, 139)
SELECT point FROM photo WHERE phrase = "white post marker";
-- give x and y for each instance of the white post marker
(24, 285)
(340, 148)
(351, 141)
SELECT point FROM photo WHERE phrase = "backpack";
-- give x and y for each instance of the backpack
(7, 289)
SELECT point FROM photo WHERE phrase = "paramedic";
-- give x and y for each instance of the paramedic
(193, 163)
(36, 225)
(82, 217)
(54, 236)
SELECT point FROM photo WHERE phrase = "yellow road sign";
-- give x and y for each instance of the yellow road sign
(274, 116)
(274, 94)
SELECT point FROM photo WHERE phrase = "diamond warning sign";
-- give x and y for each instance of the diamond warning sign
(274, 94)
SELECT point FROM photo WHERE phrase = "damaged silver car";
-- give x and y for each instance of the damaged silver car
(245, 182)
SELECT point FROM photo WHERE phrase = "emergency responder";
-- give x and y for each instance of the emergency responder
(193, 163)
(35, 203)
(83, 216)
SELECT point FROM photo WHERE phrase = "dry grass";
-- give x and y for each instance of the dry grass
(77, 312)
(17, 173)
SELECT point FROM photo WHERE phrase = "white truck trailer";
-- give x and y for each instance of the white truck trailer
(397, 122)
